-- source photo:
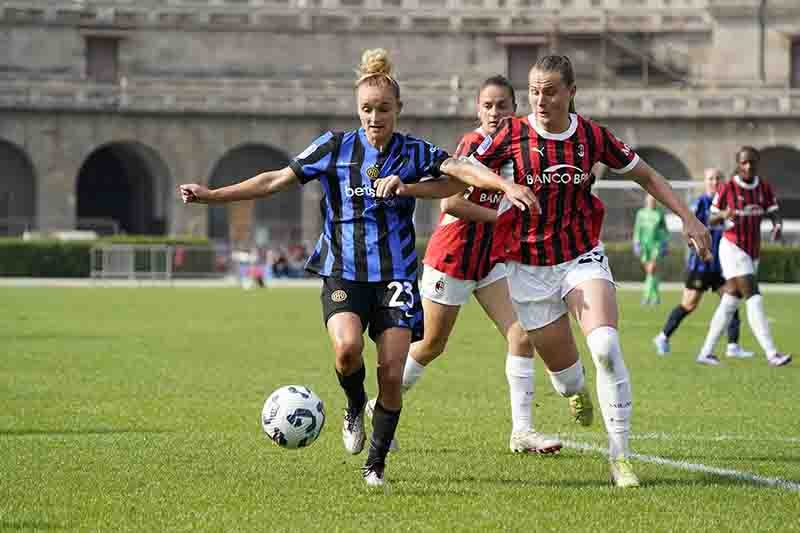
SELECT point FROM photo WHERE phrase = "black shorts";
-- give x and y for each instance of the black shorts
(380, 306)
(703, 281)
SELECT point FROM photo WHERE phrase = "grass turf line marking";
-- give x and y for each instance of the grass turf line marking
(694, 467)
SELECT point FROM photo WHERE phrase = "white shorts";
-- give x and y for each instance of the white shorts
(734, 261)
(444, 289)
(538, 292)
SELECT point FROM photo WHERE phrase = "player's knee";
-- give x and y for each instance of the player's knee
(348, 352)
(604, 345)
(729, 303)
(429, 349)
(517, 339)
(689, 307)
(569, 381)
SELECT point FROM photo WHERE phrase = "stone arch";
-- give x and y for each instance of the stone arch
(669, 165)
(274, 219)
(124, 184)
(780, 165)
(622, 204)
(17, 191)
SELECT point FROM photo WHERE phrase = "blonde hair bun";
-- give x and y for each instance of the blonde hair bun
(375, 61)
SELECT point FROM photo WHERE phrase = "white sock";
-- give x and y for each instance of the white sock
(613, 388)
(719, 322)
(662, 336)
(568, 381)
(758, 323)
(519, 372)
(411, 373)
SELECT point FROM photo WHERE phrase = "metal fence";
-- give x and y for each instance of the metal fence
(157, 262)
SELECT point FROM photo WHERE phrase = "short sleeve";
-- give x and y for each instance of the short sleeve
(427, 159)
(617, 155)
(469, 143)
(313, 162)
(720, 201)
(495, 149)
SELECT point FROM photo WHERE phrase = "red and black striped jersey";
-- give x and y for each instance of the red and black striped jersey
(461, 248)
(557, 167)
(750, 203)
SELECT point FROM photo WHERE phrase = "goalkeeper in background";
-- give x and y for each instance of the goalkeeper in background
(650, 240)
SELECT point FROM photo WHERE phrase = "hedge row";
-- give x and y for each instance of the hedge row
(779, 264)
(70, 259)
(50, 258)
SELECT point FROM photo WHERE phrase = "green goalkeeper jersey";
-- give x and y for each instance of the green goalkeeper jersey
(650, 230)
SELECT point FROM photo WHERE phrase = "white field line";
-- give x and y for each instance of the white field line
(694, 467)
(687, 437)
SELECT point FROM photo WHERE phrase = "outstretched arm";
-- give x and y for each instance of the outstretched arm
(466, 173)
(655, 184)
(462, 208)
(263, 184)
(481, 177)
(441, 187)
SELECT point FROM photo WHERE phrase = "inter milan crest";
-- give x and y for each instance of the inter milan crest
(373, 172)
(338, 296)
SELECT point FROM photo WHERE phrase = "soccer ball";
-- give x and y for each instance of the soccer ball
(293, 416)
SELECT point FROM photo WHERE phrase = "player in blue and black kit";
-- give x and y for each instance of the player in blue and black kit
(702, 276)
(366, 254)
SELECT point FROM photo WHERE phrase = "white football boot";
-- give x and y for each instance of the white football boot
(532, 442)
(353, 434)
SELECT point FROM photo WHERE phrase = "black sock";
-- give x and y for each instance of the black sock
(733, 328)
(353, 386)
(674, 320)
(384, 424)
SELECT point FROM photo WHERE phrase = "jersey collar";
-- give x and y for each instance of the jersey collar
(563, 136)
(362, 134)
(743, 184)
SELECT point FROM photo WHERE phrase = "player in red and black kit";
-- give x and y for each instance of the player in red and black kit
(554, 260)
(457, 265)
(742, 203)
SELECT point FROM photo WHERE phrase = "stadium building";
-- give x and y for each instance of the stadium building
(106, 105)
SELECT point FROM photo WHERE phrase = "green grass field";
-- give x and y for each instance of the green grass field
(138, 409)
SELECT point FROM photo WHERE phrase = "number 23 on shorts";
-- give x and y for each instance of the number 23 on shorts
(401, 294)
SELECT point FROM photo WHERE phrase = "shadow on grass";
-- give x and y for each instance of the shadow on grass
(28, 432)
(444, 484)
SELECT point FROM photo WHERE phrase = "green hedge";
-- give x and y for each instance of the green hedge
(70, 259)
(779, 264)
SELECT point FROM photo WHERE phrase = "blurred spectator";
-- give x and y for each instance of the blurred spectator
(280, 268)
(297, 261)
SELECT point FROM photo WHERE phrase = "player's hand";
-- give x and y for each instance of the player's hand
(698, 237)
(777, 232)
(522, 197)
(728, 214)
(387, 187)
(192, 193)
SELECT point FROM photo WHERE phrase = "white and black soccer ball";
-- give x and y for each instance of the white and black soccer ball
(293, 416)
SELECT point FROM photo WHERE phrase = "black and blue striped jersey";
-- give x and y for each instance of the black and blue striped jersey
(701, 207)
(365, 238)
